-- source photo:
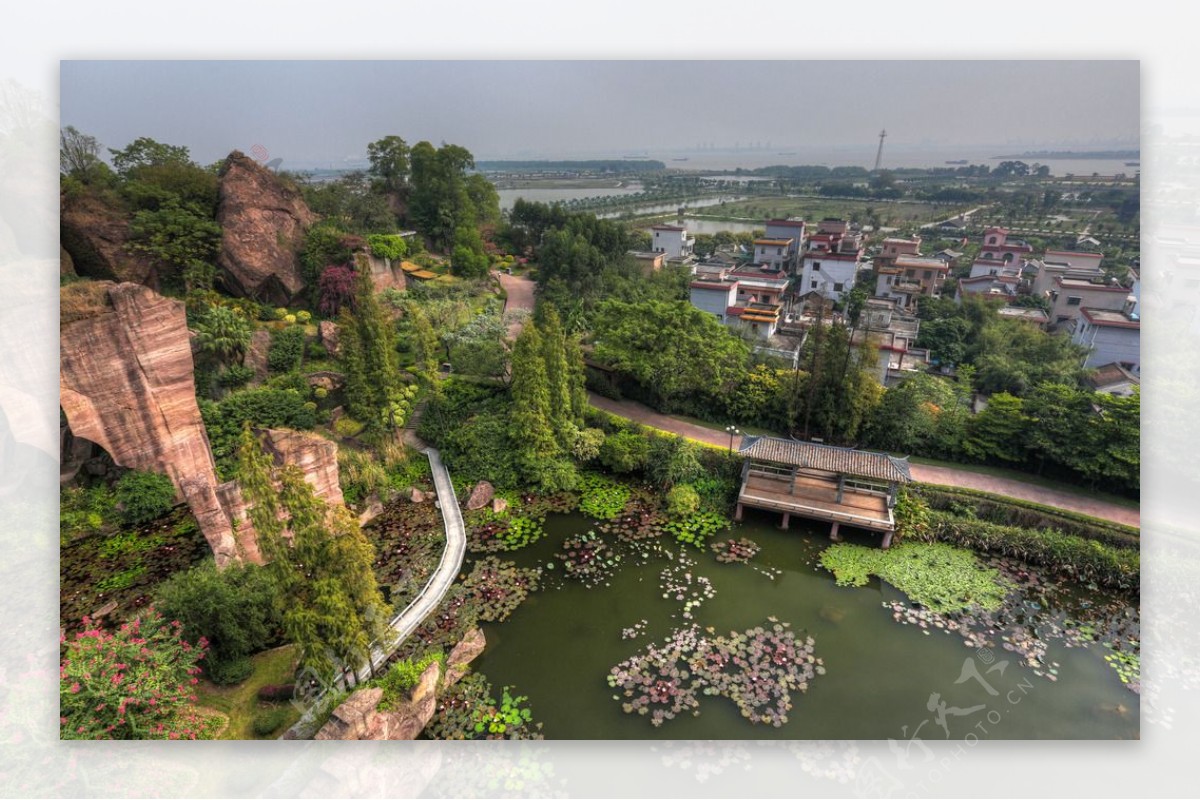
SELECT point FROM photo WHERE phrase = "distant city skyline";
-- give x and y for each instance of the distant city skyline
(323, 113)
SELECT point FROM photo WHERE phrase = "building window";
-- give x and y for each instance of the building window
(928, 274)
(813, 285)
(778, 251)
(837, 287)
(1073, 301)
(816, 266)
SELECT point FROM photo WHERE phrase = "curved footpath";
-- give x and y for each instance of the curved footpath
(944, 476)
(439, 583)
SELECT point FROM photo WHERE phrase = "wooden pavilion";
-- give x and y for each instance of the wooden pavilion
(839, 485)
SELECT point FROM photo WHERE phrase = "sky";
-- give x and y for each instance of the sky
(323, 113)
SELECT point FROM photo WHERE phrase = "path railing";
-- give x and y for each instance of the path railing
(405, 622)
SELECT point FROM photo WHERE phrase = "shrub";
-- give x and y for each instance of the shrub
(403, 676)
(84, 511)
(625, 452)
(145, 496)
(682, 500)
(320, 393)
(360, 474)
(602, 498)
(135, 683)
(276, 692)
(234, 609)
(268, 721)
(347, 428)
(236, 376)
(287, 350)
(303, 317)
(390, 246)
(264, 407)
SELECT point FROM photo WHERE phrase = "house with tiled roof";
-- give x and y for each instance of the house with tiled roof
(1111, 337)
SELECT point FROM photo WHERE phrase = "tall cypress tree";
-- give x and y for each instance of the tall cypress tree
(531, 423)
(576, 379)
(369, 355)
(554, 353)
(333, 609)
(424, 342)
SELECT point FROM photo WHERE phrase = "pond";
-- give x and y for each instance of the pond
(879, 675)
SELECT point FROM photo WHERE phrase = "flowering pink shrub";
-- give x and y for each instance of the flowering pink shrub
(136, 683)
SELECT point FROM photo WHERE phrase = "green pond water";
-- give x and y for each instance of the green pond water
(559, 646)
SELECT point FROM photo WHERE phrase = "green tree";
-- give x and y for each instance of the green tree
(674, 350)
(144, 152)
(532, 422)
(144, 496)
(389, 163)
(224, 334)
(79, 157)
(625, 451)
(181, 240)
(236, 610)
(997, 432)
(558, 375)
(333, 609)
(424, 343)
(369, 354)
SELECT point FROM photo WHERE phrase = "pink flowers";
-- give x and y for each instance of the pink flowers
(75, 688)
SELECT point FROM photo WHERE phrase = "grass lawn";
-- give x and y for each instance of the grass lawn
(895, 213)
(1030, 478)
(240, 703)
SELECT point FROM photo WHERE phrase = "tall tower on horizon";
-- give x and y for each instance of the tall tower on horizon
(879, 153)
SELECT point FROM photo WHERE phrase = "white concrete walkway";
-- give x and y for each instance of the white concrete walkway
(439, 583)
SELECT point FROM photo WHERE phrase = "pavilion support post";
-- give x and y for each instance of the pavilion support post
(737, 514)
(887, 539)
(787, 518)
(841, 487)
(834, 536)
(792, 485)
(893, 490)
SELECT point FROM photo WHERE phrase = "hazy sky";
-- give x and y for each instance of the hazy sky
(325, 112)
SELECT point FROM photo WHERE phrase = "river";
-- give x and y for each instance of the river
(559, 646)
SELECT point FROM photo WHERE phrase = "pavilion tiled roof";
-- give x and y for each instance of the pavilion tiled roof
(842, 460)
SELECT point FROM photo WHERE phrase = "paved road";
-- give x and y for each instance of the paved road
(520, 297)
(943, 476)
(447, 570)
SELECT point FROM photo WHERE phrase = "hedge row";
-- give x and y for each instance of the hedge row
(1081, 558)
(1027, 514)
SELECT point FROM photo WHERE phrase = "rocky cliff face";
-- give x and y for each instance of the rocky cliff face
(94, 235)
(126, 384)
(263, 222)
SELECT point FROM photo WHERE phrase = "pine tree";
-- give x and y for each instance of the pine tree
(576, 379)
(333, 609)
(369, 357)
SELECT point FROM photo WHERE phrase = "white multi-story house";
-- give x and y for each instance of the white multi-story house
(776, 254)
(788, 229)
(672, 240)
(1112, 337)
(831, 274)
(1069, 296)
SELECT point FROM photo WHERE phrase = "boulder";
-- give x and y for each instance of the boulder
(415, 495)
(93, 234)
(353, 719)
(466, 651)
(499, 505)
(256, 355)
(372, 508)
(407, 721)
(327, 333)
(481, 495)
(326, 380)
(66, 266)
(263, 222)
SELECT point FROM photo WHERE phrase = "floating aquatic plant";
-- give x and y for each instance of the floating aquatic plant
(735, 550)
(602, 498)
(939, 576)
(588, 558)
(695, 529)
(496, 588)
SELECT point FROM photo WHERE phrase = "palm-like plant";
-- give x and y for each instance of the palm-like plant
(224, 334)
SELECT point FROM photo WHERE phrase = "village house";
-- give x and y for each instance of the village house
(1001, 287)
(1069, 296)
(777, 254)
(894, 335)
(1112, 337)
(998, 247)
(648, 260)
(831, 260)
(1034, 316)
(1113, 379)
(1062, 264)
(672, 240)
(893, 248)
(793, 229)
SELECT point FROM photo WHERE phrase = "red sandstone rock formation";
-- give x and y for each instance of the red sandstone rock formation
(94, 235)
(126, 384)
(263, 222)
